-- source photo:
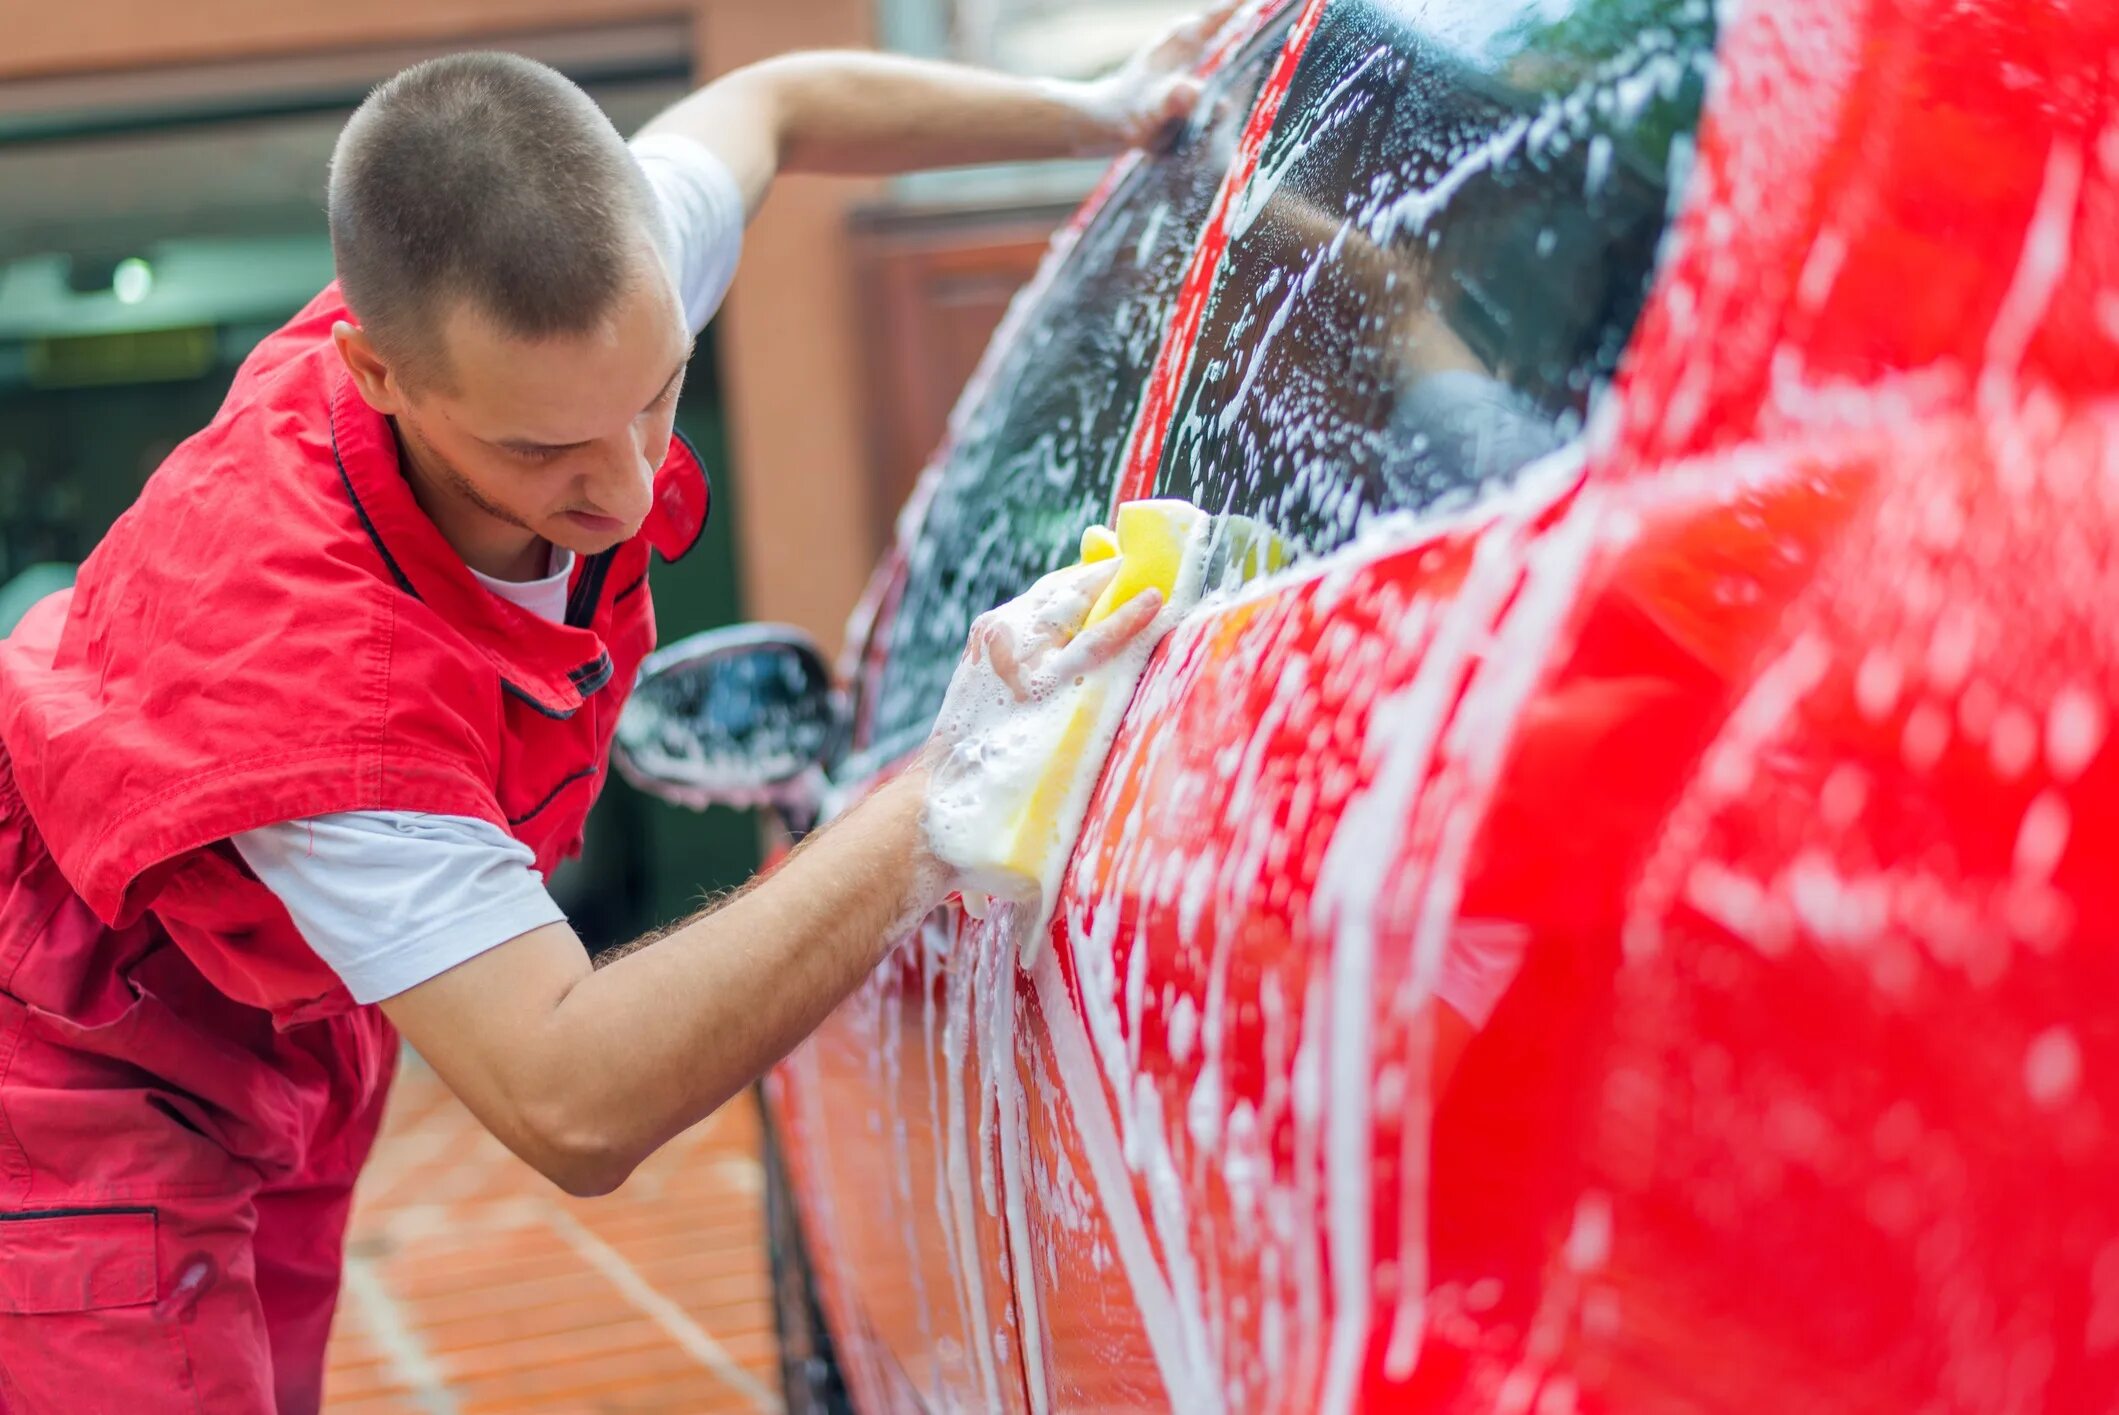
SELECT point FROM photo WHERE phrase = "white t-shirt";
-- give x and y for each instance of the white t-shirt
(391, 899)
(702, 213)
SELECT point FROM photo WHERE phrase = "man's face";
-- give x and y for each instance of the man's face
(559, 437)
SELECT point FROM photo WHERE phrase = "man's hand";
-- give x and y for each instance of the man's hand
(1035, 643)
(1151, 95)
(853, 113)
(1011, 707)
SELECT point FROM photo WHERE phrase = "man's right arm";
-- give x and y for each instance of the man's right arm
(584, 1072)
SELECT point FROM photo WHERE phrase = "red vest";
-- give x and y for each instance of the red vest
(276, 630)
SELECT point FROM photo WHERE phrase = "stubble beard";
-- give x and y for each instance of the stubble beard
(451, 482)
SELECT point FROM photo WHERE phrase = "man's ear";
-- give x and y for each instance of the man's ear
(372, 375)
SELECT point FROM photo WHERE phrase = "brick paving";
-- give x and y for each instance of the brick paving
(473, 1286)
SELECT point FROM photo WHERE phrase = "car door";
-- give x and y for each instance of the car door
(1275, 935)
(889, 1113)
(1849, 1146)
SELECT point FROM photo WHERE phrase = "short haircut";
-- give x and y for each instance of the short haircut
(489, 180)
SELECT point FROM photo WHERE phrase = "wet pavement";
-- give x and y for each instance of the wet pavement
(472, 1285)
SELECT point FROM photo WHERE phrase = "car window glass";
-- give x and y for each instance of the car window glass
(1441, 257)
(1034, 464)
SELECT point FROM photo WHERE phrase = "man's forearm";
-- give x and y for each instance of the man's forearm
(584, 1072)
(837, 111)
(857, 113)
(665, 1035)
(880, 113)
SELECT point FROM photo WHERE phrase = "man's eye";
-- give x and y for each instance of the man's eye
(537, 454)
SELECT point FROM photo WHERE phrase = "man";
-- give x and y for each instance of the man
(289, 765)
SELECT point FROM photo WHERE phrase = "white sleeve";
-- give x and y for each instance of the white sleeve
(390, 900)
(702, 217)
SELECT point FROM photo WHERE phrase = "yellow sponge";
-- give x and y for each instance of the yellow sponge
(1159, 545)
(1009, 828)
(1154, 541)
(1035, 831)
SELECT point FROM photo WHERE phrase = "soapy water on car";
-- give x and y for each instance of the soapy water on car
(1008, 796)
(1266, 1245)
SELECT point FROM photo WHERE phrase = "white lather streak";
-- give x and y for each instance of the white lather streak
(1189, 1388)
(957, 1040)
(2040, 270)
(933, 944)
(1473, 752)
(1408, 728)
(998, 953)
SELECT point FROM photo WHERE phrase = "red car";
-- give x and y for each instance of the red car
(1626, 920)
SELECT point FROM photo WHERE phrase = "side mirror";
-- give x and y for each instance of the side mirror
(742, 716)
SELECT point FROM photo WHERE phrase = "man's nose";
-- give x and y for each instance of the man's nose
(624, 485)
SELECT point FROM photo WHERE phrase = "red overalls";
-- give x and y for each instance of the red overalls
(275, 630)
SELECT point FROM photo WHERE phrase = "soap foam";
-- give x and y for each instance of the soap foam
(1002, 751)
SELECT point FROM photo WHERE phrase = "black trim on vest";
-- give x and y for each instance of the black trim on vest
(632, 588)
(345, 480)
(591, 676)
(30, 1215)
(588, 590)
(586, 679)
(552, 795)
(556, 714)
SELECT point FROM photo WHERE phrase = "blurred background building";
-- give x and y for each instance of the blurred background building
(161, 209)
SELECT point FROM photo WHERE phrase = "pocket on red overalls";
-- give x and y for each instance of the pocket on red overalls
(84, 1324)
(32, 894)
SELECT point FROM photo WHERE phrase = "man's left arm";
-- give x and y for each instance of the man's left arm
(861, 113)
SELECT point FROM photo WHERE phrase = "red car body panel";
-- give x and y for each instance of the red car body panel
(1775, 730)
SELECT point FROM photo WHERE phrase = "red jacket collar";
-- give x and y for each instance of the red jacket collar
(554, 667)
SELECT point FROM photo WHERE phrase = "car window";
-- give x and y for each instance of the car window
(1441, 257)
(1034, 463)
